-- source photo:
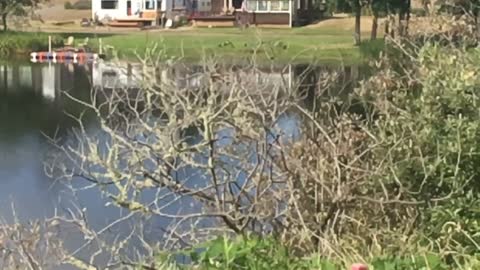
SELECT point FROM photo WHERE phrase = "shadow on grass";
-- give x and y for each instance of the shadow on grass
(372, 48)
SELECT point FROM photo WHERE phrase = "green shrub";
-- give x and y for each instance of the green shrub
(372, 48)
(82, 5)
(253, 253)
(419, 12)
(428, 261)
(12, 43)
(68, 5)
(426, 116)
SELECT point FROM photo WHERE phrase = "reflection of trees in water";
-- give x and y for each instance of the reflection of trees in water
(31, 97)
(313, 83)
(323, 82)
(33, 111)
(203, 136)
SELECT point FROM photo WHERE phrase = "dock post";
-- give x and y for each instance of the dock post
(49, 44)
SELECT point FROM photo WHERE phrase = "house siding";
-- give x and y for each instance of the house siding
(101, 14)
(217, 6)
(269, 18)
(121, 11)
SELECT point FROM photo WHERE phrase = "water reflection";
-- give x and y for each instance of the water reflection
(30, 105)
(33, 104)
(127, 75)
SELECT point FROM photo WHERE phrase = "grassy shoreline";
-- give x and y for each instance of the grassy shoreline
(299, 45)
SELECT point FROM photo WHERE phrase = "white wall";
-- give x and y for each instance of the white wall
(115, 75)
(48, 78)
(118, 13)
(121, 11)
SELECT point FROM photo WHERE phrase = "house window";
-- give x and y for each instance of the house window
(268, 5)
(275, 5)
(109, 4)
(251, 5)
(262, 6)
(149, 4)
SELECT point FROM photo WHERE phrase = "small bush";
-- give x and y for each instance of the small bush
(419, 12)
(82, 5)
(68, 5)
(267, 253)
(12, 43)
(254, 253)
(372, 48)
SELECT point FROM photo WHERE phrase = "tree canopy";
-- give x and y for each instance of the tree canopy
(16, 7)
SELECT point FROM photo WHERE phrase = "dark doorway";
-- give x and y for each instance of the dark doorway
(237, 4)
(129, 8)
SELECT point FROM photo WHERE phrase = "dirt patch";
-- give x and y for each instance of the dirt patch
(54, 10)
(344, 22)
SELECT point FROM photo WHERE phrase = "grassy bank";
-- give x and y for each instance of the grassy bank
(331, 43)
(301, 45)
(14, 44)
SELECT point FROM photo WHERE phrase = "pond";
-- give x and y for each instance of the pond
(36, 104)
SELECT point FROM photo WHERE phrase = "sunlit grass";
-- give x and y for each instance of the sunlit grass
(280, 44)
(331, 43)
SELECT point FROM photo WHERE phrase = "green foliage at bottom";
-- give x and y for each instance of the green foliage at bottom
(430, 262)
(254, 253)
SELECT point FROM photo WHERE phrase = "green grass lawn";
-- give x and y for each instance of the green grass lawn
(299, 45)
(285, 45)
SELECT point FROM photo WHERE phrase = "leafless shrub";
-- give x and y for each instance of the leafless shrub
(207, 154)
(30, 246)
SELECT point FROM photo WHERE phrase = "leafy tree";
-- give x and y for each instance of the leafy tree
(470, 7)
(339, 6)
(17, 7)
(402, 8)
(377, 7)
(357, 7)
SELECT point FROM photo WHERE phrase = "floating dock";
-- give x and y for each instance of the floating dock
(66, 55)
(62, 57)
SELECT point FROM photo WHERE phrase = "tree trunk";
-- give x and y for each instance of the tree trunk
(5, 79)
(375, 26)
(387, 28)
(358, 16)
(392, 26)
(478, 22)
(426, 6)
(4, 22)
(409, 13)
(401, 17)
(388, 22)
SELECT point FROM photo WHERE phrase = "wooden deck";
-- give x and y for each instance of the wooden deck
(125, 24)
(213, 20)
(145, 19)
(133, 22)
(135, 19)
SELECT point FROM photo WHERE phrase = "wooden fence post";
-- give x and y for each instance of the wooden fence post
(49, 44)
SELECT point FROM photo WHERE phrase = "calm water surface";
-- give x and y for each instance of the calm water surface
(33, 106)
